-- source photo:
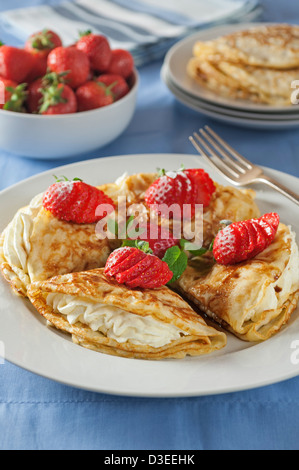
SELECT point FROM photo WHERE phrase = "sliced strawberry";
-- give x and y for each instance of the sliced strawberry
(134, 268)
(260, 238)
(76, 201)
(138, 271)
(181, 188)
(227, 246)
(244, 240)
(116, 258)
(127, 263)
(203, 184)
(270, 224)
(162, 277)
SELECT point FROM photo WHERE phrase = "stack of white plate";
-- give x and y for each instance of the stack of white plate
(198, 98)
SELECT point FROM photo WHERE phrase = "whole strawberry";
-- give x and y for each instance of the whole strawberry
(244, 240)
(121, 63)
(135, 268)
(75, 201)
(15, 64)
(93, 95)
(40, 45)
(71, 60)
(97, 49)
(118, 85)
(183, 188)
(5, 94)
(43, 41)
(35, 96)
(58, 99)
(159, 238)
(37, 90)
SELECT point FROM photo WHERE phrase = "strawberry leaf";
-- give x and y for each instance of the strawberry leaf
(85, 33)
(140, 244)
(177, 261)
(17, 99)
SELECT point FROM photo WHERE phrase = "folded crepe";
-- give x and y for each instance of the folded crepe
(238, 81)
(253, 299)
(272, 46)
(226, 203)
(105, 316)
(36, 246)
(258, 64)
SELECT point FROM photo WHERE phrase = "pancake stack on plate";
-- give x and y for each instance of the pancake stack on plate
(246, 75)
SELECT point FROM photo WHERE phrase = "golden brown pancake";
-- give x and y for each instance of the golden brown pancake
(36, 246)
(272, 47)
(104, 316)
(253, 299)
(259, 64)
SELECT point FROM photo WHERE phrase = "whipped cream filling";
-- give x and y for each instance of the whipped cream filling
(114, 322)
(16, 245)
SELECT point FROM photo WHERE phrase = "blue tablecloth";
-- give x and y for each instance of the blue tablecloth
(37, 413)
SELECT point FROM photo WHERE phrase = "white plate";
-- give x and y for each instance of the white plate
(234, 117)
(220, 109)
(29, 344)
(178, 56)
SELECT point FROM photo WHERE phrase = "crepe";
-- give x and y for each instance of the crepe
(238, 81)
(105, 316)
(272, 47)
(259, 64)
(253, 299)
(36, 246)
(226, 203)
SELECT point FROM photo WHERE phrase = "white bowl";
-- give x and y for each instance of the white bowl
(68, 135)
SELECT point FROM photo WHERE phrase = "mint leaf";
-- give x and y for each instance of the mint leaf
(194, 249)
(112, 227)
(132, 230)
(177, 261)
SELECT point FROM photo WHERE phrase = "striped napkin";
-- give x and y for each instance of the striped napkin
(147, 28)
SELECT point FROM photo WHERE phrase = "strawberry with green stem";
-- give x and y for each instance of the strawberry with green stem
(43, 41)
(93, 95)
(97, 49)
(118, 85)
(71, 59)
(35, 95)
(40, 45)
(121, 63)
(15, 63)
(17, 96)
(58, 98)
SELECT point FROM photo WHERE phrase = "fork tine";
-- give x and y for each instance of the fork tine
(224, 144)
(226, 156)
(200, 146)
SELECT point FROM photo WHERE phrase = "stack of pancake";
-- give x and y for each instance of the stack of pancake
(259, 64)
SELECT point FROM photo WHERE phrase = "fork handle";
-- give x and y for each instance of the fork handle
(279, 187)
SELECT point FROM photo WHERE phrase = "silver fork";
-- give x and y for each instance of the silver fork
(233, 166)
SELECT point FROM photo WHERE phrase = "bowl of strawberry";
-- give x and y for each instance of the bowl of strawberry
(60, 101)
